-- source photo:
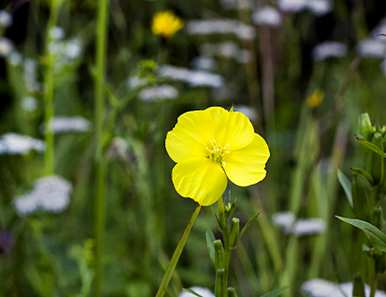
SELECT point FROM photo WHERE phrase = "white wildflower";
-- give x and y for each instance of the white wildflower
(372, 48)
(192, 77)
(16, 144)
(29, 103)
(299, 227)
(56, 33)
(220, 26)
(267, 16)
(228, 50)
(236, 4)
(324, 288)
(6, 47)
(62, 124)
(30, 75)
(136, 82)
(283, 219)
(304, 227)
(158, 93)
(292, 5)
(50, 193)
(203, 63)
(5, 19)
(319, 7)
(14, 58)
(73, 48)
(329, 49)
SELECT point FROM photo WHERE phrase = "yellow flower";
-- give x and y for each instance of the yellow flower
(166, 24)
(315, 99)
(210, 146)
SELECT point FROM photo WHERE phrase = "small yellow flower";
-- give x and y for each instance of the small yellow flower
(166, 24)
(210, 146)
(315, 99)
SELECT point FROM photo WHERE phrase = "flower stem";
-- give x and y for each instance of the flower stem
(99, 162)
(177, 253)
(49, 85)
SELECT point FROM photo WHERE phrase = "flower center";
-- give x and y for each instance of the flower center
(215, 152)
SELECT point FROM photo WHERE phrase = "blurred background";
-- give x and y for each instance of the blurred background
(302, 71)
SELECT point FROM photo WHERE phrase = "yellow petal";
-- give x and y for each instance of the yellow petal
(232, 129)
(189, 137)
(246, 166)
(201, 180)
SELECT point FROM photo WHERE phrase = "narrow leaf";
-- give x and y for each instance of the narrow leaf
(209, 243)
(376, 237)
(371, 146)
(346, 185)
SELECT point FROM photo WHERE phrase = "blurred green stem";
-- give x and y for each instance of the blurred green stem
(99, 161)
(49, 85)
(177, 253)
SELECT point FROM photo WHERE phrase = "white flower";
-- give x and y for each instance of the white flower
(29, 103)
(248, 111)
(158, 93)
(16, 144)
(283, 219)
(56, 33)
(119, 149)
(267, 16)
(6, 47)
(324, 288)
(227, 50)
(299, 227)
(192, 77)
(304, 227)
(14, 58)
(50, 193)
(203, 63)
(372, 48)
(236, 4)
(5, 19)
(379, 30)
(292, 5)
(136, 82)
(329, 49)
(203, 292)
(73, 48)
(61, 124)
(221, 26)
(319, 7)
(30, 75)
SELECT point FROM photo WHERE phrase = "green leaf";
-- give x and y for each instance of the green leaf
(363, 173)
(346, 185)
(274, 293)
(371, 146)
(209, 243)
(248, 223)
(376, 237)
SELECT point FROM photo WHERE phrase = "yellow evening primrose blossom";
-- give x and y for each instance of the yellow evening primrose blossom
(211, 146)
(315, 99)
(166, 24)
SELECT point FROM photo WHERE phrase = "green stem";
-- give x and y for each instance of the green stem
(177, 253)
(99, 162)
(227, 249)
(49, 85)
(373, 287)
